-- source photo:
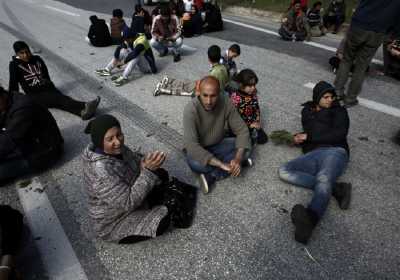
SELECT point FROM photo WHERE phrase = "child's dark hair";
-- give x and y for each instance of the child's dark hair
(235, 48)
(138, 8)
(246, 77)
(165, 10)
(214, 53)
(118, 13)
(318, 3)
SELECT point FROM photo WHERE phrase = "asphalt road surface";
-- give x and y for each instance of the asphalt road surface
(242, 229)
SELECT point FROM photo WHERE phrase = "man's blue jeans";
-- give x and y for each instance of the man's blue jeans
(225, 151)
(317, 170)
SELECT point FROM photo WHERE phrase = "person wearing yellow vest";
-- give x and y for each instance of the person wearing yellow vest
(135, 50)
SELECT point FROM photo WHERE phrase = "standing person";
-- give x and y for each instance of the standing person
(166, 34)
(335, 15)
(99, 35)
(31, 73)
(208, 151)
(245, 99)
(117, 26)
(131, 198)
(293, 24)
(371, 21)
(135, 50)
(30, 139)
(326, 154)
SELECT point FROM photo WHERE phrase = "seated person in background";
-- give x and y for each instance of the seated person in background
(208, 151)
(218, 70)
(227, 59)
(130, 196)
(246, 101)
(30, 140)
(192, 23)
(117, 26)
(11, 227)
(188, 4)
(135, 50)
(314, 26)
(31, 73)
(141, 21)
(335, 15)
(326, 154)
(166, 34)
(303, 5)
(99, 35)
(293, 24)
(391, 58)
(213, 18)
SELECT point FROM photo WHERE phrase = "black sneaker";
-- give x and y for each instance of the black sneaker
(90, 109)
(350, 103)
(305, 221)
(342, 193)
(177, 57)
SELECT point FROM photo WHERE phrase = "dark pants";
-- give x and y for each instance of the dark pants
(53, 98)
(11, 222)
(359, 49)
(336, 20)
(288, 35)
(13, 167)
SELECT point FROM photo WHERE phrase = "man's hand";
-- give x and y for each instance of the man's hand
(225, 167)
(299, 138)
(153, 161)
(256, 125)
(235, 165)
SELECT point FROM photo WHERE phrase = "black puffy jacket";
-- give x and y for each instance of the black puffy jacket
(29, 129)
(325, 128)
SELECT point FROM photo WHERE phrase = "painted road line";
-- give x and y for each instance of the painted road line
(314, 44)
(61, 11)
(188, 48)
(370, 104)
(55, 249)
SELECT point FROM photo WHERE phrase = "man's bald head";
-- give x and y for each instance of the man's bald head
(209, 92)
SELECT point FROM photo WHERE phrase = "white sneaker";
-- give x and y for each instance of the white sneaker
(203, 183)
(103, 72)
(120, 81)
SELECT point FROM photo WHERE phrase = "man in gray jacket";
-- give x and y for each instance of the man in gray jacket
(208, 151)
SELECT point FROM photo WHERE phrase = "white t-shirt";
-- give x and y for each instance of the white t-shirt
(188, 5)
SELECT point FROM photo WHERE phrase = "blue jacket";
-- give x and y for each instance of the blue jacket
(380, 16)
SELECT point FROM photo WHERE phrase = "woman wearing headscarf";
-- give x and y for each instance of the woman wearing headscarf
(130, 197)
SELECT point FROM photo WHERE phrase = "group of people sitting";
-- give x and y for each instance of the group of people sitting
(301, 23)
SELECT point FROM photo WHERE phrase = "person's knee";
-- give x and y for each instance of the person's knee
(283, 172)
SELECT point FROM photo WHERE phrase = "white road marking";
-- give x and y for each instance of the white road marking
(58, 255)
(370, 104)
(188, 48)
(314, 44)
(62, 11)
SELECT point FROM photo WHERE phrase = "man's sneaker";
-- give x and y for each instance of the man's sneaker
(157, 90)
(103, 72)
(247, 163)
(120, 81)
(164, 81)
(90, 108)
(342, 193)
(177, 57)
(304, 220)
(113, 78)
(206, 181)
(350, 103)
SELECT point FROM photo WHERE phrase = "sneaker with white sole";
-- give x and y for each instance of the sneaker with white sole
(203, 183)
(157, 90)
(120, 81)
(103, 72)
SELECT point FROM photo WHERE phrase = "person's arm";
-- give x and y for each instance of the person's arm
(13, 81)
(135, 53)
(155, 29)
(176, 31)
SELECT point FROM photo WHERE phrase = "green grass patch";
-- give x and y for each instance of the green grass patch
(282, 5)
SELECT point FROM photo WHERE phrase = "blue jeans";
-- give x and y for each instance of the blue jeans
(13, 167)
(317, 170)
(225, 151)
(161, 47)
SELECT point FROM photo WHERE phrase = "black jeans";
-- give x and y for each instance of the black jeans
(53, 98)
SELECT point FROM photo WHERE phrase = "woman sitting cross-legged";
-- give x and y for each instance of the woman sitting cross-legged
(130, 197)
